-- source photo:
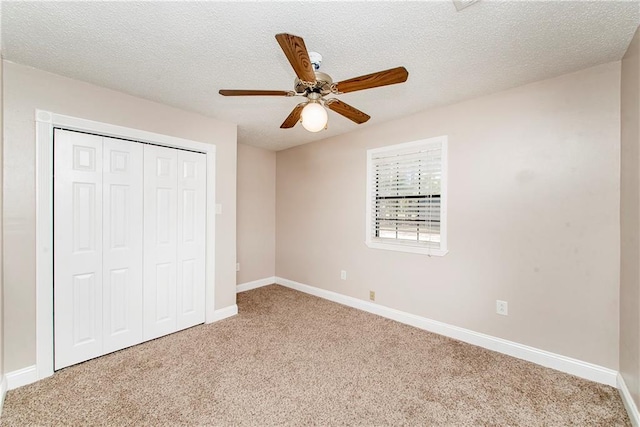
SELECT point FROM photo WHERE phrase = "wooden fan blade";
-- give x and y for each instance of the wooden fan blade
(233, 92)
(296, 52)
(381, 78)
(346, 110)
(294, 117)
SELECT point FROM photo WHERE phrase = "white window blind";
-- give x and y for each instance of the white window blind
(407, 197)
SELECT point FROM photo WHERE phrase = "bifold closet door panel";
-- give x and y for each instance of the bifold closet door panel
(129, 243)
(77, 210)
(122, 243)
(191, 238)
(160, 240)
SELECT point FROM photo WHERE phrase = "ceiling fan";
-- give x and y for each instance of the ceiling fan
(315, 86)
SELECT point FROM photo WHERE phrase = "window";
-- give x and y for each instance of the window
(406, 197)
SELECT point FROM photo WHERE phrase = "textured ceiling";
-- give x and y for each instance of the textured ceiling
(182, 53)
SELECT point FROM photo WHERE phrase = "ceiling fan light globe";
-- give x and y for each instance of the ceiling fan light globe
(314, 117)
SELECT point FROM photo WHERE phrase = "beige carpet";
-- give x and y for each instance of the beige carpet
(293, 359)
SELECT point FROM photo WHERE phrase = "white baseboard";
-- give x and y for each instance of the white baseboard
(255, 284)
(3, 391)
(223, 313)
(558, 362)
(629, 404)
(21, 377)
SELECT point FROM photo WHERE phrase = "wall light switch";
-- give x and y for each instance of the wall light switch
(343, 274)
(218, 209)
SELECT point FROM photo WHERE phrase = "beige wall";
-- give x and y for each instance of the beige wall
(533, 216)
(630, 220)
(256, 234)
(27, 89)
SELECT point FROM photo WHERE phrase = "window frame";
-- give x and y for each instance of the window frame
(408, 246)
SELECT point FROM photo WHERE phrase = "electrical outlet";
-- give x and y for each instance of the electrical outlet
(372, 295)
(502, 307)
(343, 274)
(237, 266)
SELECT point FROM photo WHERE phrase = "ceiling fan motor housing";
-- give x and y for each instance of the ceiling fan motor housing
(322, 86)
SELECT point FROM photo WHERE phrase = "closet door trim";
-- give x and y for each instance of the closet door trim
(46, 122)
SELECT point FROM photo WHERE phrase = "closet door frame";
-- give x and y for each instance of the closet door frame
(46, 122)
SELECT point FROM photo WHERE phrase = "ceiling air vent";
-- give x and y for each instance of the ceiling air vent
(462, 4)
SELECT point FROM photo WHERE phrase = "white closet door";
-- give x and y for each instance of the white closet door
(129, 243)
(122, 243)
(191, 238)
(160, 240)
(77, 210)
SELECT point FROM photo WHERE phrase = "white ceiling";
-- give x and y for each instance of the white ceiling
(182, 53)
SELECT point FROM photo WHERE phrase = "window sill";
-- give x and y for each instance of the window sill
(406, 248)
